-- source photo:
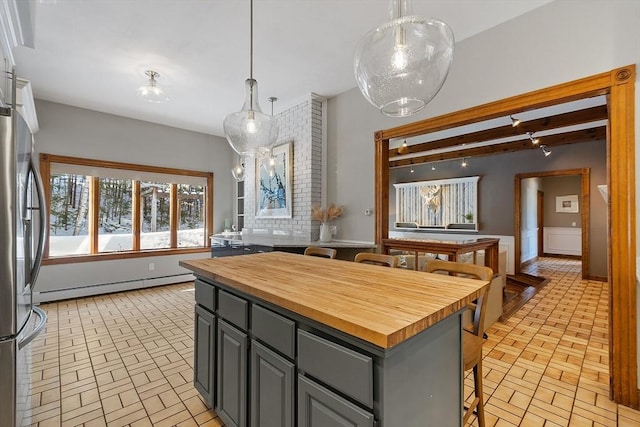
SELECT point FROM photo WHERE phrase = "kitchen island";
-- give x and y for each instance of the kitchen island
(283, 340)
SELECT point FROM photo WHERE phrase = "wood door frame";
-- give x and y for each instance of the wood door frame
(540, 222)
(619, 86)
(585, 213)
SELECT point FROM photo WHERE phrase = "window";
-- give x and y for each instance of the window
(104, 209)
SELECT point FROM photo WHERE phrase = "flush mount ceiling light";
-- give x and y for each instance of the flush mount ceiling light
(534, 141)
(151, 92)
(401, 65)
(544, 149)
(250, 132)
(514, 121)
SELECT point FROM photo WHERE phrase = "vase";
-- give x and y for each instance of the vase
(325, 232)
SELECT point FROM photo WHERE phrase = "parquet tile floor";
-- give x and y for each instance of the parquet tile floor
(126, 359)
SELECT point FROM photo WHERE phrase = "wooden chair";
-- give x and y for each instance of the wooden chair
(472, 340)
(377, 259)
(321, 252)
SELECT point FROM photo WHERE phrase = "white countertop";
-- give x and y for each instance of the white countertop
(285, 241)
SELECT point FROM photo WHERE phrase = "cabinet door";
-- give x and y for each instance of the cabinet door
(319, 407)
(231, 399)
(272, 379)
(204, 354)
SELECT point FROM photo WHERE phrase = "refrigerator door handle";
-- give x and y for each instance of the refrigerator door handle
(42, 235)
(43, 321)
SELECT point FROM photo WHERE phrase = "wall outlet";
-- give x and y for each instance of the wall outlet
(573, 224)
(368, 211)
(152, 266)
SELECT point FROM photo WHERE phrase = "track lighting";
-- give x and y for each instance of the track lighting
(544, 149)
(433, 167)
(404, 148)
(412, 171)
(464, 163)
(514, 121)
(534, 141)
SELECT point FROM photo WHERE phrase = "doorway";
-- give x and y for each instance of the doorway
(523, 245)
(619, 86)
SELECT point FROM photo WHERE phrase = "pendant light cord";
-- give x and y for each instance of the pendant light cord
(251, 41)
(251, 55)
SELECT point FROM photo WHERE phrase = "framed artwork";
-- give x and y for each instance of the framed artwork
(567, 204)
(274, 183)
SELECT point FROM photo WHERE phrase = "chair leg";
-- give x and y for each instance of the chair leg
(477, 380)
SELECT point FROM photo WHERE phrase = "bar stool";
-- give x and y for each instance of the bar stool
(321, 252)
(377, 259)
(472, 339)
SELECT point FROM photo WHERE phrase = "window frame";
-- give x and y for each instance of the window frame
(45, 170)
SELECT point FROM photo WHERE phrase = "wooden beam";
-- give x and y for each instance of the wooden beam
(572, 91)
(573, 118)
(584, 135)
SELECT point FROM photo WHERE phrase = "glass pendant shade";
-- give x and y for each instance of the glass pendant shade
(250, 132)
(151, 92)
(238, 171)
(401, 65)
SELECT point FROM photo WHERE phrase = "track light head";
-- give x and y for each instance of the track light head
(514, 121)
(546, 151)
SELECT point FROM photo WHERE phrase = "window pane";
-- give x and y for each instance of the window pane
(115, 230)
(156, 223)
(68, 216)
(190, 215)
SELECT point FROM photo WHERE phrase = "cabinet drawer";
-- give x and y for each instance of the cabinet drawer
(234, 309)
(274, 330)
(206, 295)
(318, 406)
(344, 369)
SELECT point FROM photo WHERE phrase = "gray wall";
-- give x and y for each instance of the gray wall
(554, 186)
(556, 43)
(71, 131)
(496, 188)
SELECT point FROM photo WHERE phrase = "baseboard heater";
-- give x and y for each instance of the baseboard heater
(106, 288)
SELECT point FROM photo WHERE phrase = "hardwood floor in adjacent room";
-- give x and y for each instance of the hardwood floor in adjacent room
(127, 359)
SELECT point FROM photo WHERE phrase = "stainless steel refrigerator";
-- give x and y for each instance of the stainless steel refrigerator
(22, 232)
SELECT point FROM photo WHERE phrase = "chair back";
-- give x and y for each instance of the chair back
(321, 252)
(377, 259)
(473, 271)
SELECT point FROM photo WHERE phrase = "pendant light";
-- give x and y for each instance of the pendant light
(250, 132)
(237, 171)
(401, 65)
(151, 92)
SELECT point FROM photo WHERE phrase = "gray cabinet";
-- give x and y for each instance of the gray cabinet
(319, 407)
(272, 385)
(231, 399)
(204, 354)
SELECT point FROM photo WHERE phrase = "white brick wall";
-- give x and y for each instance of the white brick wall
(303, 126)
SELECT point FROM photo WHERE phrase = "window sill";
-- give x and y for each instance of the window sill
(121, 255)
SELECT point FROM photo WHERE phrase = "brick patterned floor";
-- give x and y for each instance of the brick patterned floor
(126, 359)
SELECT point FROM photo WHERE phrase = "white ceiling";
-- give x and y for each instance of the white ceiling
(93, 53)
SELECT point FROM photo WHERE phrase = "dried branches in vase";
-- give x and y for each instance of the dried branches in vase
(325, 215)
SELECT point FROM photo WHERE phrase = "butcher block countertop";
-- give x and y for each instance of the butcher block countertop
(383, 306)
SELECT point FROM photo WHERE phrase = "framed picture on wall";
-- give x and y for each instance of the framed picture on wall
(568, 204)
(274, 183)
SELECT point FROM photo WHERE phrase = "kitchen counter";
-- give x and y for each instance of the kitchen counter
(285, 339)
(275, 241)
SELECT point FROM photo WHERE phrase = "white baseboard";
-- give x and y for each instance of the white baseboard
(85, 291)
